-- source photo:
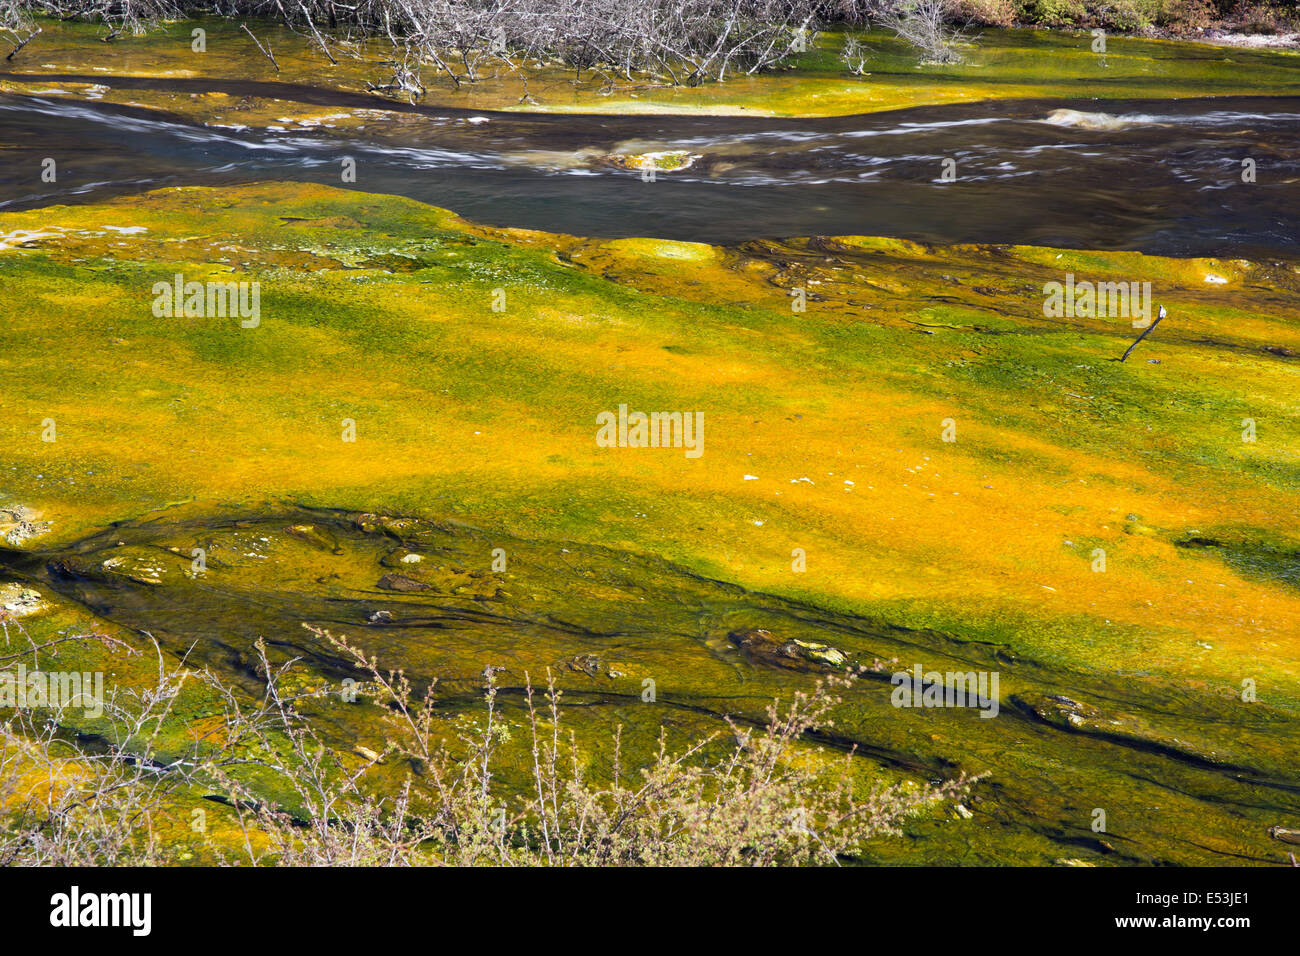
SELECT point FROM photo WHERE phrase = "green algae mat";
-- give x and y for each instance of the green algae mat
(227, 413)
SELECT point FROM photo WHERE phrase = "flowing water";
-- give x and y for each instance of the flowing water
(1157, 176)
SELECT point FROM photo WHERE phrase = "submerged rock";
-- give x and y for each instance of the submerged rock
(400, 582)
(665, 161)
(1285, 834)
(1063, 711)
(1128, 729)
(19, 601)
(818, 653)
(313, 535)
(388, 524)
(134, 567)
(18, 524)
(588, 664)
(762, 644)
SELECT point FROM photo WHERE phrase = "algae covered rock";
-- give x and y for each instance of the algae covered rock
(395, 527)
(588, 664)
(316, 536)
(665, 161)
(761, 644)
(18, 524)
(1285, 834)
(19, 601)
(400, 582)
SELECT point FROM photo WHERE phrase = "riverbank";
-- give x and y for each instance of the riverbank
(69, 59)
(1254, 41)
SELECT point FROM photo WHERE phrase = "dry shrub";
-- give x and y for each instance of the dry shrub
(990, 13)
(760, 797)
(927, 26)
(1188, 16)
(1255, 17)
(68, 801)
(678, 41)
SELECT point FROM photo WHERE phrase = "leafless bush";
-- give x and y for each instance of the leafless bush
(680, 41)
(855, 55)
(926, 25)
(14, 17)
(122, 17)
(762, 797)
(65, 802)
(757, 804)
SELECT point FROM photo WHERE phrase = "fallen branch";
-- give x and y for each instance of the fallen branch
(1145, 332)
(316, 33)
(266, 50)
(403, 82)
(14, 51)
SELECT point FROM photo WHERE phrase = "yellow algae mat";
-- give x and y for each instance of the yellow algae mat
(889, 453)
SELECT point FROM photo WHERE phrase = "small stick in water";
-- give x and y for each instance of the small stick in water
(266, 50)
(14, 52)
(316, 33)
(1145, 332)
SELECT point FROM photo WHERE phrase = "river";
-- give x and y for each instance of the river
(1158, 176)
